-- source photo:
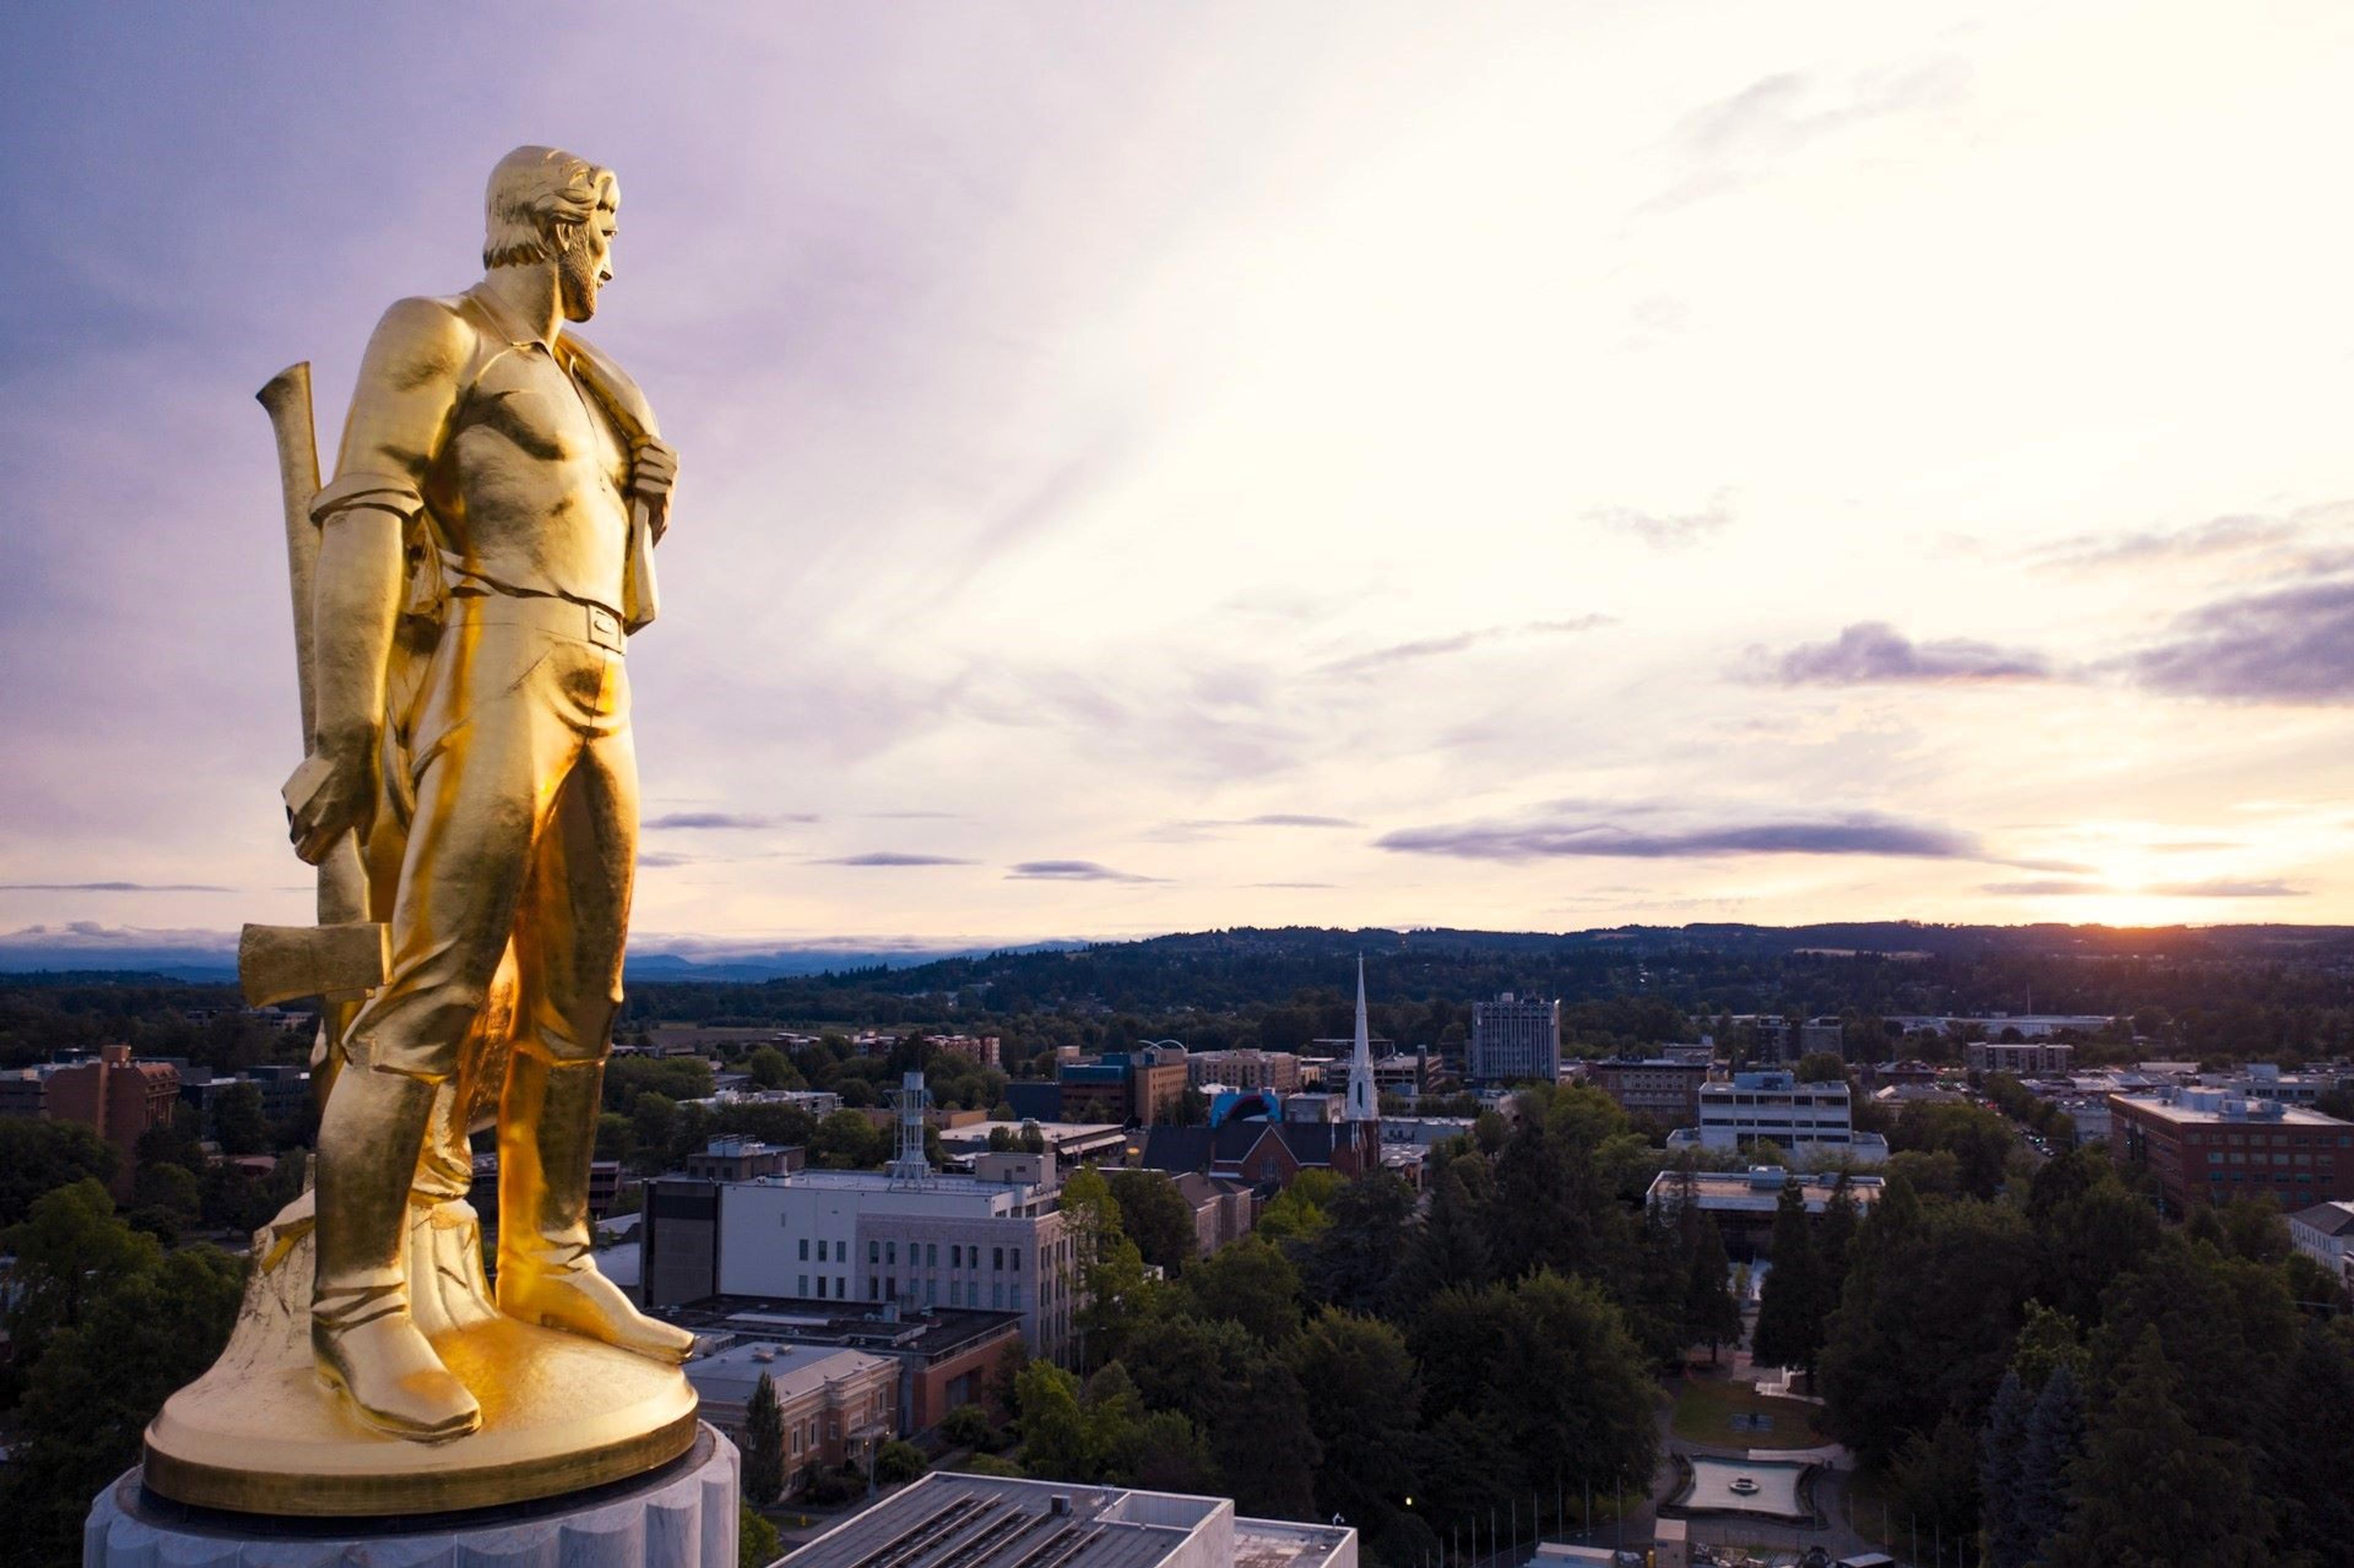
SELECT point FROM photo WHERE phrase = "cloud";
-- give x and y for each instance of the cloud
(1437, 647)
(1574, 830)
(1289, 884)
(2047, 887)
(682, 821)
(2293, 645)
(2216, 536)
(913, 816)
(1072, 870)
(2228, 887)
(891, 857)
(1730, 142)
(1665, 531)
(113, 887)
(1873, 650)
(1192, 828)
(655, 860)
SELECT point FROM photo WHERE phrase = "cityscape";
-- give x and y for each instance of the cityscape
(1038, 787)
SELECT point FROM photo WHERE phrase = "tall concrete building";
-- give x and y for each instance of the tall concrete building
(1514, 1040)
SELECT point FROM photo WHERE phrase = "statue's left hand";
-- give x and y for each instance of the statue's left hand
(653, 469)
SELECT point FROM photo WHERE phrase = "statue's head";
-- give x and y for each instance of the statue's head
(543, 206)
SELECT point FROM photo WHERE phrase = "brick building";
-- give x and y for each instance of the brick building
(117, 1098)
(1662, 1089)
(839, 1406)
(2209, 1146)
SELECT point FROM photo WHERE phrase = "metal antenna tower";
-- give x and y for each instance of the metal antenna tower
(910, 1168)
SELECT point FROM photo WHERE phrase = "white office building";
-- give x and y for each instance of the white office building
(994, 1240)
(1814, 1122)
(1514, 1040)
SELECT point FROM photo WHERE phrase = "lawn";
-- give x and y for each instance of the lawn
(1705, 1408)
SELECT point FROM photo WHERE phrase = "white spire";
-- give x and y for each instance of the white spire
(1363, 1105)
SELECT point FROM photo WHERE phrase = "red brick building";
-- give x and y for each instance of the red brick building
(117, 1098)
(2209, 1146)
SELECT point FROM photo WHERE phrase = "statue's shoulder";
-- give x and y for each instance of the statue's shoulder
(423, 336)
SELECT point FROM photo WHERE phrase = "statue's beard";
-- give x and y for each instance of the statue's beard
(576, 274)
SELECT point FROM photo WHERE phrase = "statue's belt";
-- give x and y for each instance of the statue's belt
(541, 612)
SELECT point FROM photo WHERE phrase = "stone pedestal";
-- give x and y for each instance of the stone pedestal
(683, 1515)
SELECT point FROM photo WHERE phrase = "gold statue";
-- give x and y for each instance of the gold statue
(471, 799)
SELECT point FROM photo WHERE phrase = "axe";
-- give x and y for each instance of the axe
(345, 955)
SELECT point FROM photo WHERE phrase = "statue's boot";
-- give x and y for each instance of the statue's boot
(365, 1341)
(547, 1136)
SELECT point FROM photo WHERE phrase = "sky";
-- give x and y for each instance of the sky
(1162, 467)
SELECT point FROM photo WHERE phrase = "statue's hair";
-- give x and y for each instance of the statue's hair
(532, 190)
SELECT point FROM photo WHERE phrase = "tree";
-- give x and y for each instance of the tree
(1822, 1067)
(896, 1462)
(1350, 1262)
(1251, 1283)
(2054, 1438)
(1301, 1210)
(38, 1156)
(72, 1253)
(769, 1070)
(146, 1324)
(1156, 1217)
(756, 1541)
(2001, 1452)
(1055, 1436)
(1450, 1247)
(967, 1427)
(2152, 1490)
(1363, 1402)
(1709, 1312)
(1791, 1306)
(848, 1141)
(764, 1444)
(1935, 1477)
(239, 1125)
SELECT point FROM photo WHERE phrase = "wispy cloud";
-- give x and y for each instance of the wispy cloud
(1191, 829)
(1666, 531)
(892, 858)
(1571, 830)
(2047, 887)
(113, 887)
(2293, 645)
(1398, 653)
(686, 821)
(2229, 887)
(1734, 140)
(1290, 885)
(1072, 870)
(1872, 650)
(2146, 546)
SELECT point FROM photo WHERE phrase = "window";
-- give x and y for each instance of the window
(820, 1286)
(841, 1289)
(873, 1252)
(1016, 1253)
(932, 1255)
(874, 1289)
(804, 1249)
(932, 1292)
(1014, 1299)
(956, 1256)
(891, 1252)
(997, 1259)
(997, 1296)
(804, 1289)
(956, 1292)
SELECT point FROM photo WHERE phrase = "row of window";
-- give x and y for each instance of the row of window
(2215, 1157)
(1002, 1298)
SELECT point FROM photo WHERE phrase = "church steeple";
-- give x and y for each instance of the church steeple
(1363, 1104)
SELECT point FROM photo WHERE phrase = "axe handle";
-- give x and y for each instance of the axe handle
(343, 882)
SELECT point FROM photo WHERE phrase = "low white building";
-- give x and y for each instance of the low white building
(1814, 1123)
(2324, 1232)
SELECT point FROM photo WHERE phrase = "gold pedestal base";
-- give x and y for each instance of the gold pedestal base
(260, 1432)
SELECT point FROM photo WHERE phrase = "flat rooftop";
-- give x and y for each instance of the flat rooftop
(2191, 1106)
(933, 1331)
(796, 1370)
(948, 1521)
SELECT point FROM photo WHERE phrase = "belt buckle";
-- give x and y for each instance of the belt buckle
(604, 627)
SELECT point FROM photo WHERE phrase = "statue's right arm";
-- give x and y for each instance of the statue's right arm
(401, 413)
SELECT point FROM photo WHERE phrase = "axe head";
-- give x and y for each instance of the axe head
(334, 963)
